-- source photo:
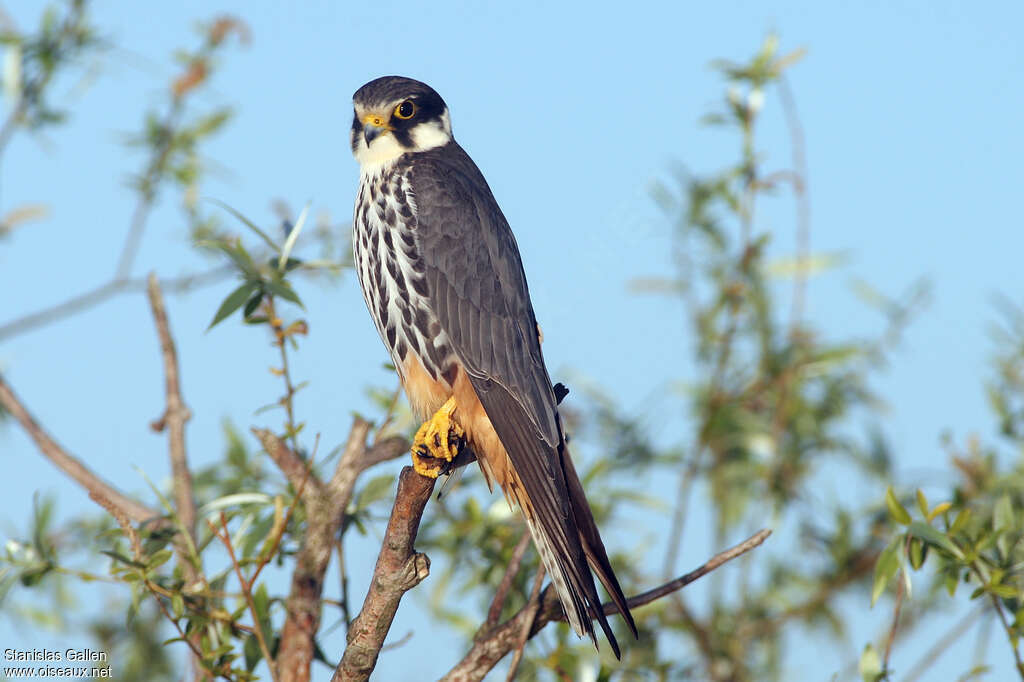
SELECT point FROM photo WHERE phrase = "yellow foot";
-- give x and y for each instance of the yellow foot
(437, 442)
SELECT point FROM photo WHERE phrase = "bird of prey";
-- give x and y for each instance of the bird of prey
(442, 277)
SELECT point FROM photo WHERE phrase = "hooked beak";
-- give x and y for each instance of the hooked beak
(373, 126)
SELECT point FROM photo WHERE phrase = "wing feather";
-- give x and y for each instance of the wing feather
(476, 280)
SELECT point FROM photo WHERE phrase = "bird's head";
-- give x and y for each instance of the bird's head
(396, 115)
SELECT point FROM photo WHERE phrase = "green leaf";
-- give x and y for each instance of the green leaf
(285, 291)
(253, 655)
(935, 537)
(177, 604)
(252, 304)
(922, 503)
(122, 558)
(248, 223)
(940, 508)
(1002, 516)
(210, 123)
(233, 302)
(159, 559)
(951, 581)
(896, 510)
(960, 522)
(918, 552)
(885, 568)
(238, 255)
(261, 602)
(870, 665)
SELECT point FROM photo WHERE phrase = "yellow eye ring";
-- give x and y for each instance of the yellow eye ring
(405, 110)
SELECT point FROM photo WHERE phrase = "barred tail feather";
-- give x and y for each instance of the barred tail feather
(575, 610)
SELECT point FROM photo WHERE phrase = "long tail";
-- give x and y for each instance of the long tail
(537, 473)
(569, 554)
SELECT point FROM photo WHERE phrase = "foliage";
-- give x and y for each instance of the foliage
(973, 537)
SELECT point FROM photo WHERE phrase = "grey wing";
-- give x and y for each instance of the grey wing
(479, 293)
(478, 287)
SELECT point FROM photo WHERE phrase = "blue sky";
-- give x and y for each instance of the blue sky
(911, 114)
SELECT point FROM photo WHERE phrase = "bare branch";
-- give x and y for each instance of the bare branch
(944, 643)
(399, 568)
(325, 509)
(895, 612)
(291, 465)
(384, 450)
(532, 606)
(803, 202)
(108, 290)
(175, 414)
(349, 464)
(70, 465)
(494, 613)
(487, 651)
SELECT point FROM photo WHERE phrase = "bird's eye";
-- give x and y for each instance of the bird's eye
(405, 110)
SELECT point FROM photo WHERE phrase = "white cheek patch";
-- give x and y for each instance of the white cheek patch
(429, 135)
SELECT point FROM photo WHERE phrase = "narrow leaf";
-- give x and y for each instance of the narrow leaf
(233, 302)
(285, 291)
(935, 537)
(896, 510)
(248, 223)
(885, 568)
(289, 243)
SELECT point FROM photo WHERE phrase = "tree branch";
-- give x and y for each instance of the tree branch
(494, 613)
(70, 465)
(105, 291)
(531, 608)
(399, 568)
(291, 465)
(325, 510)
(487, 651)
(176, 414)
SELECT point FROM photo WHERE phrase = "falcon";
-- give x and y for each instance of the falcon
(444, 282)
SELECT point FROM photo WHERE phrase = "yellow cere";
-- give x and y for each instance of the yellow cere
(376, 121)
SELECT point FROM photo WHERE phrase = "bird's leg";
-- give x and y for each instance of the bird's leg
(437, 442)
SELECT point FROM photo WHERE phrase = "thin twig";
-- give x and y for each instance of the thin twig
(532, 606)
(106, 291)
(176, 413)
(291, 465)
(225, 538)
(1010, 634)
(121, 516)
(943, 644)
(895, 620)
(288, 400)
(148, 192)
(70, 465)
(271, 552)
(803, 202)
(488, 651)
(494, 613)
